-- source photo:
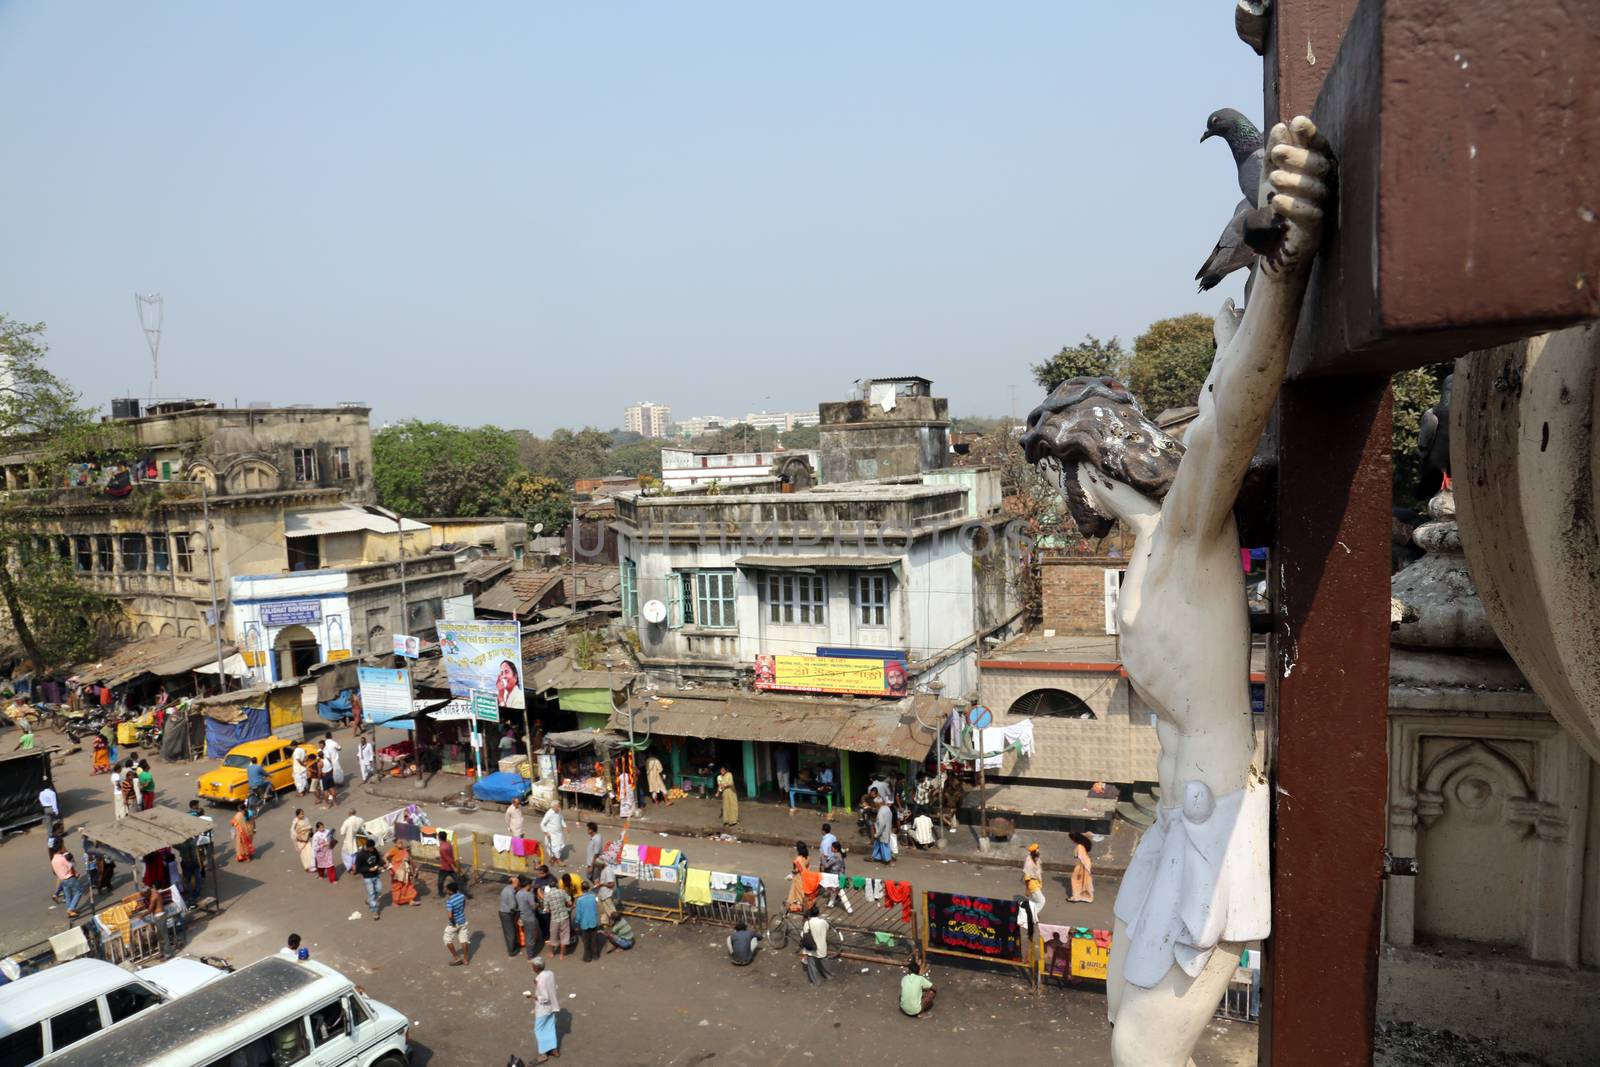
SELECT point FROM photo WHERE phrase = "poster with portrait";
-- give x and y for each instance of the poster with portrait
(483, 654)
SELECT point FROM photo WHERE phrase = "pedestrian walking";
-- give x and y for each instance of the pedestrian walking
(366, 757)
(67, 881)
(52, 806)
(348, 844)
(508, 914)
(555, 832)
(586, 910)
(402, 876)
(528, 915)
(369, 865)
(546, 1003)
(322, 853)
(456, 933)
(301, 830)
(1082, 868)
(814, 947)
(883, 833)
(119, 802)
(558, 905)
(244, 836)
(591, 854)
(314, 777)
(730, 798)
(332, 765)
(147, 786)
(302, 773)
(514, 818)
(541, 881)
(449, 866)
(1033, 881)
(655, 780)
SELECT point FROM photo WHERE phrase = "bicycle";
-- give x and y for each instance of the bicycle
(787, 924)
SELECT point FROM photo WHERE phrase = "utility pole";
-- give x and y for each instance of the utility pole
(211, 574)
(573, 535)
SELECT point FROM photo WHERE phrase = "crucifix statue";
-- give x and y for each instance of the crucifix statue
(1197, 889)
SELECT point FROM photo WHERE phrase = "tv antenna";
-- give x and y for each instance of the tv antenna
(151, 309)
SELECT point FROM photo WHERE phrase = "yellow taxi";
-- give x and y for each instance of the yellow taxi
(229, 782)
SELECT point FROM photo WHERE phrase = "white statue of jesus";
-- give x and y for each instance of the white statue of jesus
(1198, 886)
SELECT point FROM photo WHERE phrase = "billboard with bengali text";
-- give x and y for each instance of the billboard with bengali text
(483, 654)
(831, 674)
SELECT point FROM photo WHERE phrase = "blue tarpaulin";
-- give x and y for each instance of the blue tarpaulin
(222, 737)
(338, 709)
(502, 787)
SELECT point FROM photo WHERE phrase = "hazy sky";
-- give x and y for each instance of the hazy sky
(531, 215)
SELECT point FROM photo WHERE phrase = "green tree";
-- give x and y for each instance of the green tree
(431, 468)
(802, 437)
(634, 460)
(1090, 358)
(539, 499)
(1170, 362)
(55, 617)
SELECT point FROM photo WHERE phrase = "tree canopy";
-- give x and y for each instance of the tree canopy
(431, 468)
(538, 499)
(1170, 362)
(1090, 358)
(56, 618)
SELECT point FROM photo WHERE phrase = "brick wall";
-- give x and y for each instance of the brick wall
(1072, 592)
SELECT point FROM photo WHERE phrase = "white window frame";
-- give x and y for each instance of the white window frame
(341, 463)
(305, 465)
(797, 599)
(630, 588)
(871, 597)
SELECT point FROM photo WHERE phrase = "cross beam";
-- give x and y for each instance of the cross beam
(1468, 203)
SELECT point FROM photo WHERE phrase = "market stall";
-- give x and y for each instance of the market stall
(587, 767)
(159, 836)
(980, 928)
(659, 876)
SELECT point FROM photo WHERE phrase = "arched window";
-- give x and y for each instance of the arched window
(1056, 702)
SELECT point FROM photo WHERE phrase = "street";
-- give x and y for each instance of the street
(673, 999)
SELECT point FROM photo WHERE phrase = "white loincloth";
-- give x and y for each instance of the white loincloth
(1199, 876)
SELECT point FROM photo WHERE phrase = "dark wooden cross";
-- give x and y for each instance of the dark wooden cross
(1467, 135)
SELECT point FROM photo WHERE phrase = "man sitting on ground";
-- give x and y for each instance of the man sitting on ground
(743, 944)
(916, 991)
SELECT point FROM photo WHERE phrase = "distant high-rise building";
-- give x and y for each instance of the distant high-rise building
(782, 421)
(647, 418)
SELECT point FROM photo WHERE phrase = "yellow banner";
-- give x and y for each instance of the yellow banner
(821, 674)
(1089, 960)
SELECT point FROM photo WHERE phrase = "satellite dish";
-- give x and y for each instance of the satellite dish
(654, 611)
(538, 528)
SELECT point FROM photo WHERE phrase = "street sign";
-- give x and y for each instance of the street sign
(484, 706)
(980, 717)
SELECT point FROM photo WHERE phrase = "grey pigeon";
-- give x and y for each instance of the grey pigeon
(1245, 142)
(1231, 251)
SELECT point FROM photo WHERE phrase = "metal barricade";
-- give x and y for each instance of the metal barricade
(748, 907)
(874, 928)
(1241, 1001)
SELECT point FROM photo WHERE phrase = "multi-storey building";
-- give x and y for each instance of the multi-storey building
(647, 418)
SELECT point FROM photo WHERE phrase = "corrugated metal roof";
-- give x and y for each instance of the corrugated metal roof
(143, 832)
(342, 520)
(885, 732)
(889, 729)
(164, 656)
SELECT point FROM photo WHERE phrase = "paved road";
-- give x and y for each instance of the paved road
(673, 1000)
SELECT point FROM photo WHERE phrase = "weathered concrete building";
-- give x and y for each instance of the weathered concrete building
(895, 565)
(496, 535)
(894, 428)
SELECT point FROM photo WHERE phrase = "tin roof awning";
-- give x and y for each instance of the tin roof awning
(885, 732)
(143, 832)
(164, 656)
(857, 563)
(887, 729)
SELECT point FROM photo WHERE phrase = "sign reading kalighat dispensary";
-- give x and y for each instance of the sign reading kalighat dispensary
(291, 612)
(851, 675)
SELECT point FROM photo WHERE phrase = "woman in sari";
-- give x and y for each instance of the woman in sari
(102, 756)
(301, 831)
(1082, 869)
(804, 884)
(244, 840)
(322, 852)
(402, 877)
(730, 798)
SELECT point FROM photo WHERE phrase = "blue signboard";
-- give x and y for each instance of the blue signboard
(291, 612)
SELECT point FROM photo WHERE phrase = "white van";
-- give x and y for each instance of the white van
(58, 1007)
(273, 1013)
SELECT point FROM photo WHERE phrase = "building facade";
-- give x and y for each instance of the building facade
(904, 568)
(781, 421)
(895, 427)
(647, 418)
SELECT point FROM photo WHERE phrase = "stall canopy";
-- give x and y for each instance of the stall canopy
(574, 740)
(164, 657)
(141, 833)
(234, 665)
(889, 728)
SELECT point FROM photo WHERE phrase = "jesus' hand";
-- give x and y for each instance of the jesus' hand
(1300, 160)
